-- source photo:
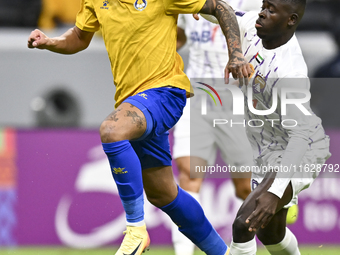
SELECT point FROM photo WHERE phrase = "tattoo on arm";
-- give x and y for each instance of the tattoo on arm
(228, 22)
(209, 7)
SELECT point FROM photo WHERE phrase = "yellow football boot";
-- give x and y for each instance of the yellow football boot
(135, 242)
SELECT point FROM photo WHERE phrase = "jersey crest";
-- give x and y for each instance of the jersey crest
(140, 5)
(105, 5)
(259, 84)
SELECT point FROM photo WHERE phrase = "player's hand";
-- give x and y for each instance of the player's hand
(240, 69)
(196, 17)
(38, 39)
(265, 209)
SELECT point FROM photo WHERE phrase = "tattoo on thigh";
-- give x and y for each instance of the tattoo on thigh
(113, 116)
(136, 119)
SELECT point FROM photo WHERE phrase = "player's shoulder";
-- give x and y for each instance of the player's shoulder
(292, 61)
(246, 20)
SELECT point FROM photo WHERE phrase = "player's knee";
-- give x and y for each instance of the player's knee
(240, 225)
(110, 134)
(159, 200)
(155, 201)
(240, 230)
(184, 176)
(183, 165)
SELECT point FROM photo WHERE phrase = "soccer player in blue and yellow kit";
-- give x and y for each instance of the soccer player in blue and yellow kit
(151, 91)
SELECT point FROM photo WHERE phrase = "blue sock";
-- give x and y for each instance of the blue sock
(188, 215)
(127, 173)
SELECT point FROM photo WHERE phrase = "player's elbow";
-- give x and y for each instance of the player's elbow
(82, 46)
(83, 39)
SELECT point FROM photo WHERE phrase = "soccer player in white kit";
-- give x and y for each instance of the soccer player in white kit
(289, 138)
(207, 57)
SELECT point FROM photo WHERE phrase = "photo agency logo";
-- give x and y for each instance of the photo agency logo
(261, 102)
(204, 101)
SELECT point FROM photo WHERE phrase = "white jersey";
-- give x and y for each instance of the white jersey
(208, 54)
(208, 51)
(246, 5)
(276, 68)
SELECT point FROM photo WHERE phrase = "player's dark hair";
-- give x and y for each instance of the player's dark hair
(298, 6)
(297, 2)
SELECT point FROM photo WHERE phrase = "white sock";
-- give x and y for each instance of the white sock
(183, 245)
(288, 246)
(248, 248)
(136, 224)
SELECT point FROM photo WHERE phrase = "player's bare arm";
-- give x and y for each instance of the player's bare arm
(228, 22)
(267, 204)
(72, 41)
(181, 38)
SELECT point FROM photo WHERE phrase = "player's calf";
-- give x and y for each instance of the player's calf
(270, 237)
(288, 245)
(194, 225)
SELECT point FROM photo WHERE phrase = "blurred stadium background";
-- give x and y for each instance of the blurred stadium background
(56, 195)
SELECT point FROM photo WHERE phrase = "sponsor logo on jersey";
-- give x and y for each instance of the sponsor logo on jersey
(105, 5)
(145, 96)
(140, 5)
(178, 225)
(119, 170)
(254, 184)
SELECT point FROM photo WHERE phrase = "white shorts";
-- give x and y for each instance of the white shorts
(195, 135)
(318, 154)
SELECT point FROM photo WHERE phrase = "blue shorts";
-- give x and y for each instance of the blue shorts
(162, 108)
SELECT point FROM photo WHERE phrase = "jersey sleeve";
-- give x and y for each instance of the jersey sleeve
(291, 160)
(183, 6)
(294, 98)
(297, 124)
(86, 17)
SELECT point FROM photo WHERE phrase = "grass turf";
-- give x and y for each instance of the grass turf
(309, 250)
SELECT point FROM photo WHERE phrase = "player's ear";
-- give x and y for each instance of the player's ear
(293, 20)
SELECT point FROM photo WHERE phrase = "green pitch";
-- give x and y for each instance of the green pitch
(311, 250)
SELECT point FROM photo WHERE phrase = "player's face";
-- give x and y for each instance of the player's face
(273, 19)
